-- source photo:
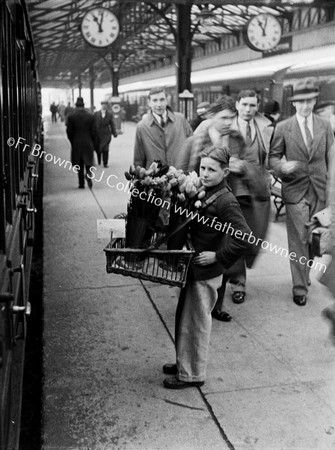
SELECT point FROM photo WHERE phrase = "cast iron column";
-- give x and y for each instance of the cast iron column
(79, 85)
(184, 48)
(115, 81)
(92, 88)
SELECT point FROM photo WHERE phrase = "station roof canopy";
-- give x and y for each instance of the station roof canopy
(147, 33)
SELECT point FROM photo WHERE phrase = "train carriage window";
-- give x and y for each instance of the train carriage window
(8, 38)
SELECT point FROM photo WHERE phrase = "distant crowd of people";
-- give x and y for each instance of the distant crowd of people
(60, 111)
(235, 149)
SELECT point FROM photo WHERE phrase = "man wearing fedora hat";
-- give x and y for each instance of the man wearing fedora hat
(82, 133)
(305, 140)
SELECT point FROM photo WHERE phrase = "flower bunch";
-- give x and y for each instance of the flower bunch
(185, 188)
(148, 189)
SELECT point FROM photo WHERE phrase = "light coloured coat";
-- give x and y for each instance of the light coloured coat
(152, 142)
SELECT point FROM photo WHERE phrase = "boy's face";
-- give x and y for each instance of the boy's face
(247, 108)
(158, 103)
(211, 172)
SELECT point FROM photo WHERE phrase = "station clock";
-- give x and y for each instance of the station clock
(263, 32)
(100, 27)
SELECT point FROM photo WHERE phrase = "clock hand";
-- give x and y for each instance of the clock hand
(261, 24)
(101, 19)
(265, 23)
(98, 23)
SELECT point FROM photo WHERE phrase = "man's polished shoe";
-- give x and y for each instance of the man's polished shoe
(174, 383)
(300, 300)
(238, 297)
(170, 369)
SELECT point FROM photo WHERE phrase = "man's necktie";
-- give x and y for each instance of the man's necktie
(248, 134)
(309, 138)
(162, 122)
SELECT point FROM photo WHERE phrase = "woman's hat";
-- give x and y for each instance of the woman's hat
(80, 101)
(304, 90)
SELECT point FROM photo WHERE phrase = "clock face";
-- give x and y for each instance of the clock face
(263, 32)
(100, 27)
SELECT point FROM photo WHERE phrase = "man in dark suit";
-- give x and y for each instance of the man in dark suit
(82, 133)
(305, 140)
(106, 128)
(256, 131)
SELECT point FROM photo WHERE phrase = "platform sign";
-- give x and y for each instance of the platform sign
(284, 46)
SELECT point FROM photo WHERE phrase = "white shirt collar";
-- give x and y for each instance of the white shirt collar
(158, 117)
(301, 120)
(242, 124)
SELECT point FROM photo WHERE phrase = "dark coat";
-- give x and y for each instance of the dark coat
(244, 185)
(209, 234)
(82, 133)
(106, 128)
(196, 122)
(288, 141)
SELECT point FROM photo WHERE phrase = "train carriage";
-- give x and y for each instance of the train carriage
(20, 130)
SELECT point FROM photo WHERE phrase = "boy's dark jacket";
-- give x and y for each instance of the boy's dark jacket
(207, 237)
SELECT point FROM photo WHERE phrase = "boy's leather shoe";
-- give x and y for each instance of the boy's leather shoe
(174, 383)
(170, 369)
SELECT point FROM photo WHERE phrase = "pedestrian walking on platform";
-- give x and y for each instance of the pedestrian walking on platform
(255, 204)
(67, 111)
(248, 182)
(305, 141)
(106, 129)
(161, 134)
(214, 254)
(61, 112)
(54, 111)
(82, 133)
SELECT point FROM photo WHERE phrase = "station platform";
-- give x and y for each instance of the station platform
(271, 371)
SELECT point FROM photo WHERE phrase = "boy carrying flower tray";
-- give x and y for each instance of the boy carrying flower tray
(163, 201)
